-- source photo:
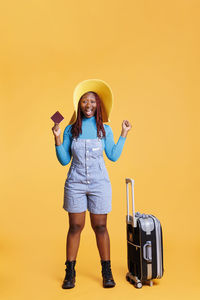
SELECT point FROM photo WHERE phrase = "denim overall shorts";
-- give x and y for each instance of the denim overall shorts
(87, 185)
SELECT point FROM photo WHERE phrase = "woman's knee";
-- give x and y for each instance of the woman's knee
(76, 228)
(99, 228)
(76, 222)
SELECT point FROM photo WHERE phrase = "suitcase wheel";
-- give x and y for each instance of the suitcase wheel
(138, 285)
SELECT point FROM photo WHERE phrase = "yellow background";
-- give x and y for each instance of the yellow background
(148, 51)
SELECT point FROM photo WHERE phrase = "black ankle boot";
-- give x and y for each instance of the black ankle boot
(69, 281)
(108, 280)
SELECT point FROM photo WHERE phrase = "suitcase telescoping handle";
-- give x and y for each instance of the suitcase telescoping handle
(131, 181)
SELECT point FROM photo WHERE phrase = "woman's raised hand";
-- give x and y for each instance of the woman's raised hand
(56, 130)
(126, 126)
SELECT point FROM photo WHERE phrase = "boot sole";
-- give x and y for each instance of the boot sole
(111, 285)
(108, 286)
(68, 287)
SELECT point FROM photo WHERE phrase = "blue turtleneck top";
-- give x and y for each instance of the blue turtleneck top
(89, 131)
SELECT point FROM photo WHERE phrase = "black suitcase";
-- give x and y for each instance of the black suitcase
(144, 245)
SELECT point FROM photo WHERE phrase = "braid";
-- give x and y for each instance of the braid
(99, 120)
(77, 126)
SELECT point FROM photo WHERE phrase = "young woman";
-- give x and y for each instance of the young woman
(88, 185)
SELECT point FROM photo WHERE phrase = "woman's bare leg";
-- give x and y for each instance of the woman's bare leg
(76, 225)
(98, 223)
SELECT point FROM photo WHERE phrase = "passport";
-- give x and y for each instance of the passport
(57, 117)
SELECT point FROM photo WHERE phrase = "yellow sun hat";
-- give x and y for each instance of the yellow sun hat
(102, 89)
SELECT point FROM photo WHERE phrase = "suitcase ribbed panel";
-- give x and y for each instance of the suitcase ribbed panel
(159, 247)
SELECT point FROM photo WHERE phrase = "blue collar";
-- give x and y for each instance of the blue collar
(92, 119)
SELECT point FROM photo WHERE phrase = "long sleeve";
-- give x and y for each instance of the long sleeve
(63, 151)
(112, 150)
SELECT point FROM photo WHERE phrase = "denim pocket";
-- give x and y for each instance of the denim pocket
(104, 172)
(70, 173)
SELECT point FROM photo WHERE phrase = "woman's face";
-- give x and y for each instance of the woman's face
(88, 105)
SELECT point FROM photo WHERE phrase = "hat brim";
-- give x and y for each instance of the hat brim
(102, 89)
